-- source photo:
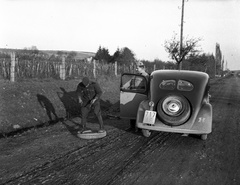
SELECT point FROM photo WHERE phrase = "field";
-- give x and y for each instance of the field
(20, 102)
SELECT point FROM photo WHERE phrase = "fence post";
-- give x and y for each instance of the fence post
(115, 68)
(17, 66)
(94, 68)
(12, 76)
(70, 70)
(62, 69)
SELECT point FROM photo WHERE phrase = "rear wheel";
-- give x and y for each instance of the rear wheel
(174, 110)
(132, 123)
(204, 137)
(146, 133)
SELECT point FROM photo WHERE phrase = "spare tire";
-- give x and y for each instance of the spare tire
(174, 110)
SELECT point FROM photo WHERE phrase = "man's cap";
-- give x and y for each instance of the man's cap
(85, 81)
(139, 64)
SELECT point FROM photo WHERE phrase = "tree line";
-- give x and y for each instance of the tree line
(190, 57)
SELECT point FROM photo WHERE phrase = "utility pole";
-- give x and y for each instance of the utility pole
(181, 34)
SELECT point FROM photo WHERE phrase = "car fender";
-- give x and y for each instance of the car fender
(144, 105)
(203, 121)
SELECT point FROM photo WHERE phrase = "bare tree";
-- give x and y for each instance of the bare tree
(189, 46)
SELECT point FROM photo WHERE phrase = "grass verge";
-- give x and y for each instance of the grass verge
(20, 102)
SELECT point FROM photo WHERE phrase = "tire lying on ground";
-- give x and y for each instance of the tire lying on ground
(92, 134)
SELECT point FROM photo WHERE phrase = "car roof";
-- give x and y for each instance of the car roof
(180, 73)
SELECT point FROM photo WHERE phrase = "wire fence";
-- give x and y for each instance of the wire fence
(25, 69)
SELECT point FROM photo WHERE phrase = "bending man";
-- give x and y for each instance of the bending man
(89, 94)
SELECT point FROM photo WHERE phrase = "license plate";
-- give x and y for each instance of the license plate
(149, 117)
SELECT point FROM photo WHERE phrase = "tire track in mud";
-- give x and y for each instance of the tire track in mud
(91, 145)
(98, 163)
(136, 154)
(104, 162)
(82, 158)
(158, 162)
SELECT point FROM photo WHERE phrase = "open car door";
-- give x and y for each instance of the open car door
(133, 90)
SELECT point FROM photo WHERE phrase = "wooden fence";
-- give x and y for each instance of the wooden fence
(12, 69)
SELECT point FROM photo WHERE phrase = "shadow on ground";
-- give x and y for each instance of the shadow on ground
(72, 118)
(70, 103)
(48, 106)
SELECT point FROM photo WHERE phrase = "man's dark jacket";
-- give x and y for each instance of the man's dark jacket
(88, 93)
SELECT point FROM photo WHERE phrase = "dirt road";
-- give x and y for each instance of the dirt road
(55, 155)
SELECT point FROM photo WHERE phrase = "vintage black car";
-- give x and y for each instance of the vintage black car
(169, 101)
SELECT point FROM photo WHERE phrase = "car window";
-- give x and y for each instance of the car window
(134, 83)
(184, 85)
(168, 84)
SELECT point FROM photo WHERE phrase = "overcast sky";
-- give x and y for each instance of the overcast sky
(140, 25)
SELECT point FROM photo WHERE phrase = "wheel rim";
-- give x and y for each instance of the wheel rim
(172, 107)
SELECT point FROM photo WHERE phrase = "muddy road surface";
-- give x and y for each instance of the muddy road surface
(55, 155)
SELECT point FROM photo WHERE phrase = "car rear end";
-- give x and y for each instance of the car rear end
(178, 103)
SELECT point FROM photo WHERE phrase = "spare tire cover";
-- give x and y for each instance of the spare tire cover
(174, 110)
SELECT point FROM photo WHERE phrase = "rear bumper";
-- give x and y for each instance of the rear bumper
(176, 129)
(201, 124)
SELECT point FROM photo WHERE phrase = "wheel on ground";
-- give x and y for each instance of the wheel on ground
(204, 136)
(146, 133)
(92, 135)
(132, 123)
